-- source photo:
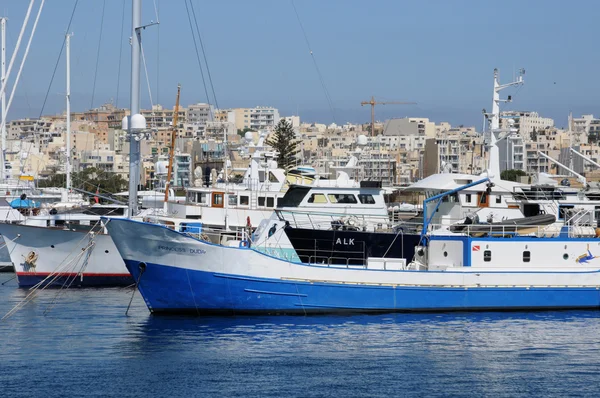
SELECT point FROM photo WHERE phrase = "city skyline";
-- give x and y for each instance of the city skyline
(258, 55)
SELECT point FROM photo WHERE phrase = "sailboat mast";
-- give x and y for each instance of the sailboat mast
(68, 99)
(172, 149)
(3, 98)
(134, 144)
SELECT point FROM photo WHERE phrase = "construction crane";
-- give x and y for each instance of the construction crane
(373, 103)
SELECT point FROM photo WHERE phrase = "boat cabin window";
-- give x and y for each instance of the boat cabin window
(341, 198)
(272, 177)
(450, 198)
(483, 199)
(526, 256)
(317, 198)
(498, 199)
(202, 198)
(487, 256)
(270, 202)
(244, 200)
(563, 210)
(468, 198)
(232, 200)
(217, 199)
(261, 201)
(366, 199)
(294, 196)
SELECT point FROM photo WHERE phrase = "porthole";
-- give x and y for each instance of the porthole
(106, 251)
(52, 246)
(445, 254)
(565, 256)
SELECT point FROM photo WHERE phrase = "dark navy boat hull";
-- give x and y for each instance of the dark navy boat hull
(350, 247)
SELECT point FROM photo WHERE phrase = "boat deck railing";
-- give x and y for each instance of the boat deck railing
(356, 222)
(505, 231)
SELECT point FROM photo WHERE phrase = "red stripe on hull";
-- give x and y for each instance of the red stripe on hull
(85, 274)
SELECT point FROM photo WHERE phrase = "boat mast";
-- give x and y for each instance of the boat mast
(3, 97)
(134, 143)
(172, 149)
(494, 159)
(68, 99)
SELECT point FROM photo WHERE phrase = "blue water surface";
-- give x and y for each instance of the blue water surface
(80, 342)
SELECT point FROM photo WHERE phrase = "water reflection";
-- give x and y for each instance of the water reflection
(87, 333)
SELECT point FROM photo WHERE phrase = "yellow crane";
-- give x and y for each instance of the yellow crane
(172, 149)
(372, 102)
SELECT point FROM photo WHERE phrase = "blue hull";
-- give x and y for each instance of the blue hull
(27, 281)
(171, 289)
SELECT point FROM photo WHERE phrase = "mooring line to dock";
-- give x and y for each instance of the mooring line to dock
(8, 280)
(76, 274)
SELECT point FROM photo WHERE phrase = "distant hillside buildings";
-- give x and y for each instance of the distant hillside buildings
(405, 150)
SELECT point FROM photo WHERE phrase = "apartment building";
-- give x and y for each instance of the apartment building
(525, 122)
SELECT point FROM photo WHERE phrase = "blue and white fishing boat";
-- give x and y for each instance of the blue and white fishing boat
(176, 272)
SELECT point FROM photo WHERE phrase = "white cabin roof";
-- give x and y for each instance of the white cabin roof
(447, 181)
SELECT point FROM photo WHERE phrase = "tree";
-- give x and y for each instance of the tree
(89, 179)
(285, 143)
(512, 175)
(534, 135)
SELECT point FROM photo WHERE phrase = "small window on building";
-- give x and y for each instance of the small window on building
(317, 198)
(468, 198)
(526, 256)
(232, 201)
(366, 199)
(244, 200)
(498, 199)
(270, 202)
(342, 198)
(261, 200)
(487, 255)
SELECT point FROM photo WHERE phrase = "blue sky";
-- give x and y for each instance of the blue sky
(440, 54)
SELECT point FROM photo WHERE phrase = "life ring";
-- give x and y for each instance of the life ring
(31, 258)
(244, 243)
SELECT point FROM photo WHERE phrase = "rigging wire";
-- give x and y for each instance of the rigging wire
(197, 53)
(120, 55)
(98, 53)
(58, 60)
(153, 123)
(327, 96)
(204, 55)
(27, 152)
(14, 88)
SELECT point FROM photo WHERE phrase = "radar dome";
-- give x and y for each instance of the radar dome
(249, 136)
(138, 122)
(361, 139)
(161, 167)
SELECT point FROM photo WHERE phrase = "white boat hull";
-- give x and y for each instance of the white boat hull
(63, 257)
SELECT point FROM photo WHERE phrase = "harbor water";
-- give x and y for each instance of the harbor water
(80, 342)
